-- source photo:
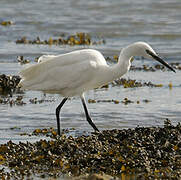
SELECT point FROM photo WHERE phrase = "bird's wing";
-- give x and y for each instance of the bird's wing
(63, 71)
(68, 77)
(50, 61)
(45, 58)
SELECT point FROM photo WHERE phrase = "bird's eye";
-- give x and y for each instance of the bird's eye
(151, 53)
(148, 52)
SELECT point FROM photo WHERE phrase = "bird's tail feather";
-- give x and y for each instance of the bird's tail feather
(29, 75)
(28, 72)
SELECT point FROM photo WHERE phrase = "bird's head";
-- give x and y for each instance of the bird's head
(145, 50)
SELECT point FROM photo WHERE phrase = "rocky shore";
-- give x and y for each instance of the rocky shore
(140, 153)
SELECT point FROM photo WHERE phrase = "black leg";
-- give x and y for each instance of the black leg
(58, 113)
(87, 114)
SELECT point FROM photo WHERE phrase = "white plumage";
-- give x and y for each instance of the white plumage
(74, 73)
(68, 74)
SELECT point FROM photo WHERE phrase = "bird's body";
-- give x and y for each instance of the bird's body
(69, 74)
(74, 73)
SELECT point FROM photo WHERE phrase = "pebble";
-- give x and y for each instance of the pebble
(8, 83)
(140, 153)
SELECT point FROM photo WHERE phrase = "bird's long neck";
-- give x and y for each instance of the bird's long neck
(111, 73)
(122, 67)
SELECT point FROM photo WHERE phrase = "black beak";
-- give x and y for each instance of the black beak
(157, 58)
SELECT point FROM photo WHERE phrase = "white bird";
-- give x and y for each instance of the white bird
(73, 73)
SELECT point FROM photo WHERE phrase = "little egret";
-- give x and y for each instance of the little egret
(73, 73)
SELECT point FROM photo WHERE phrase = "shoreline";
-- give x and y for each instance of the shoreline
(141, 152)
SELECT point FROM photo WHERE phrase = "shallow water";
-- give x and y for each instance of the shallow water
(119, 23)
